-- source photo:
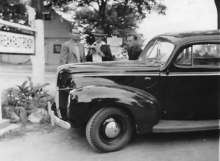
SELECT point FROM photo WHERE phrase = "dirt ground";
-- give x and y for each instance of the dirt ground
(35, 142)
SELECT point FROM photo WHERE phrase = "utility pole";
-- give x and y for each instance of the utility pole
(38, 60)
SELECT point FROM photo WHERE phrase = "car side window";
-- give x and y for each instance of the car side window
(206, 55)
(200, 55)
(185, 57)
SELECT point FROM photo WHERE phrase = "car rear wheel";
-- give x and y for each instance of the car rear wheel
(109, 129)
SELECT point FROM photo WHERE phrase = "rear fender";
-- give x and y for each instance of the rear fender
(143, 107)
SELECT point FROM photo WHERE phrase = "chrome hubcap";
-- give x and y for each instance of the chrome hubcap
(112, 128)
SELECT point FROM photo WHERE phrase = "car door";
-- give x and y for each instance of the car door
(193, 83)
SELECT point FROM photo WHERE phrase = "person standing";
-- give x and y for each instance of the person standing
(99, 51)
(72, 51)
(134, 50)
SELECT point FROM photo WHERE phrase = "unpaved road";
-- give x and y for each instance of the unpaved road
(46, 143)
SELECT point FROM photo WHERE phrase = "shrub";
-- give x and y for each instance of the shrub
(26, 95)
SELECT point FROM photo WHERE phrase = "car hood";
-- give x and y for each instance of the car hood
(114, 73)
(111, 66)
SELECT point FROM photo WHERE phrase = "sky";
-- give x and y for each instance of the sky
(181, 15)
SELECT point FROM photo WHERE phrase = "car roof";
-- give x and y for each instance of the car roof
(187, 36)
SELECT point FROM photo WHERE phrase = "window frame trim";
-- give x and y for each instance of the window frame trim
(190, 44)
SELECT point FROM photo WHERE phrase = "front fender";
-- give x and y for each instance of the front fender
(143, 107)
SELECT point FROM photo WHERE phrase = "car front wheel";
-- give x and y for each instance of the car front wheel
(109, 129)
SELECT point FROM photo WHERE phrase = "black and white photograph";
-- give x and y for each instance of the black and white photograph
(109, 80)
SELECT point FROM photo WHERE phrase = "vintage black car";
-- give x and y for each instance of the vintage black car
(173, 87)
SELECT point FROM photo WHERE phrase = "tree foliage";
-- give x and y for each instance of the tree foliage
(114, 16)
(13, 10)
(119, 14)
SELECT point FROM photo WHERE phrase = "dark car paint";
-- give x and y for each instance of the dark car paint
(94, 97)
(203, 84)
(167, 86)
(113, 86)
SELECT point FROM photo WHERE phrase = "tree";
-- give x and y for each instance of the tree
(217, 4)
(14, 11)
(109, 14)
(117, 11)
(113, 16)
(138, 7)
(116, 20)
(38, 6)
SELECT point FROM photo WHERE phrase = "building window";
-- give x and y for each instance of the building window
(56, 48)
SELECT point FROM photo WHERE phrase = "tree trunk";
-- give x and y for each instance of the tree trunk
(102, 8)
(38, 6)
(217, 4)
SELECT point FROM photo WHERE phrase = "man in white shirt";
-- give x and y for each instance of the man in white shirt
(99, 51)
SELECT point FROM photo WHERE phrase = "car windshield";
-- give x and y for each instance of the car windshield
(157, 51)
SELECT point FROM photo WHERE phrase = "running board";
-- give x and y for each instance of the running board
(184, 126)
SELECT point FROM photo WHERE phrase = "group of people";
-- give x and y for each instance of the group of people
(73, 51)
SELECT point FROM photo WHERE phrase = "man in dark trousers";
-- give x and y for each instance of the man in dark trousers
(134, 49)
